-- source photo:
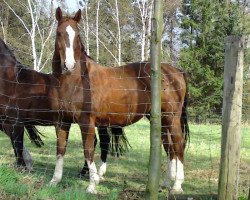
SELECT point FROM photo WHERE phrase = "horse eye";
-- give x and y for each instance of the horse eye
(59, 34)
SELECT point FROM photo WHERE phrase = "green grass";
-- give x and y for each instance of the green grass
(126, 176)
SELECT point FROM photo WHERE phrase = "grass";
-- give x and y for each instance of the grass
(126, 176)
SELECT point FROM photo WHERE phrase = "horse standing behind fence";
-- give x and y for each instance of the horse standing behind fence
(119, 96)
(14, 129)
(23, 156)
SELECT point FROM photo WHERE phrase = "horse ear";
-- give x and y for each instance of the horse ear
(58, 14)
(77, 17)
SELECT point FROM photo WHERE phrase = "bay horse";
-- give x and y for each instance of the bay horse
(25, 160)
(120, 96)
(16, 130)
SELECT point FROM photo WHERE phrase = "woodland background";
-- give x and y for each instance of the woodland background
(118, 32)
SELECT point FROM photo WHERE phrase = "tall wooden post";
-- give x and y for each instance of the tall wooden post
(231, 119)
(155, 115)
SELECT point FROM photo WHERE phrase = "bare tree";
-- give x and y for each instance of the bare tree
(83, 5)
(119, 34)
(97, 30)
(4, 19)
(34, 31)
(170, 24)
(145, 10)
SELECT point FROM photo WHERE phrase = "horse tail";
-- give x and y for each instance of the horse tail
(34, 135)
(184, 115)
(119, 142)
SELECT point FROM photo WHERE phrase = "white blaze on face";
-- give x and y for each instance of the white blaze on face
(70, 60)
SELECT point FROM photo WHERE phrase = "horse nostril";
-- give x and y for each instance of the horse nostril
(65, 68)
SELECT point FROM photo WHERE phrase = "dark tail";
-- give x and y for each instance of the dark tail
(34, 135)
(119, 143)
(184, 115)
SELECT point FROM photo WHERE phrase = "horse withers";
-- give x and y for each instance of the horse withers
(120, 96)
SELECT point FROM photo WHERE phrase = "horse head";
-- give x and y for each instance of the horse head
(67, 44)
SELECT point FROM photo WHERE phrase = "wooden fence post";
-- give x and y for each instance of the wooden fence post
(231, 119)
(155, 115)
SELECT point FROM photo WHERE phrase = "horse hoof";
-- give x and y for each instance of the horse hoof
(53, 182)
(101, 178)
(176, 191)
(91, 190)
(30, 169)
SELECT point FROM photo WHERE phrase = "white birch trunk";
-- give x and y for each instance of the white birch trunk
(32, 37)
(145, 8)
(97, 31)
(119, 34)
(87, 28)
(3, 30)
(148, 31)
(142, 9)
(35, 31)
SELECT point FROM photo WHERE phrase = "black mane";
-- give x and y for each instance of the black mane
(4, 49)
(84, 51)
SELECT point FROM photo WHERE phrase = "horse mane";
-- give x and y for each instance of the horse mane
(6, 48)
(11, 54)
(84, 51)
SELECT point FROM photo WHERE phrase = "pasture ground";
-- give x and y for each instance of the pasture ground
(126, 176)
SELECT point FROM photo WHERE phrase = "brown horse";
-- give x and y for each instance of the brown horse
(118, 97)
(15, 130)
(24, 159)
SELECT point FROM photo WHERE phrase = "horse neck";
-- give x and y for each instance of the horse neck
(7, 59)
(56, 62)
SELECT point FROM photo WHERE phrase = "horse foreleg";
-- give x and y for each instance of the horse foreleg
(16, 135)
(85, 170)
(88, 135)
(104, 145)
(62, 134)
(27, 158)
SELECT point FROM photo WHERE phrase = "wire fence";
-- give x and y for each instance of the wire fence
(127, 175)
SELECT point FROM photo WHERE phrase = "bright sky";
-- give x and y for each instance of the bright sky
(71, 4)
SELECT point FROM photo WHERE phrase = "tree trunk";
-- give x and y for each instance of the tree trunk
(97, 31)
(155, 114)
(119, 34)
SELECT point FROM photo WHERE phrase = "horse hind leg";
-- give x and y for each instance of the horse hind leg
(173, 143)
(176, 171)
(104, 145)
(166, 141)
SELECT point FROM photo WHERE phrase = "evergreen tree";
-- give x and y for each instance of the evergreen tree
(205, 26)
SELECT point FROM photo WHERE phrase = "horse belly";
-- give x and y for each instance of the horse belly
(35, 110)
(123, 108)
